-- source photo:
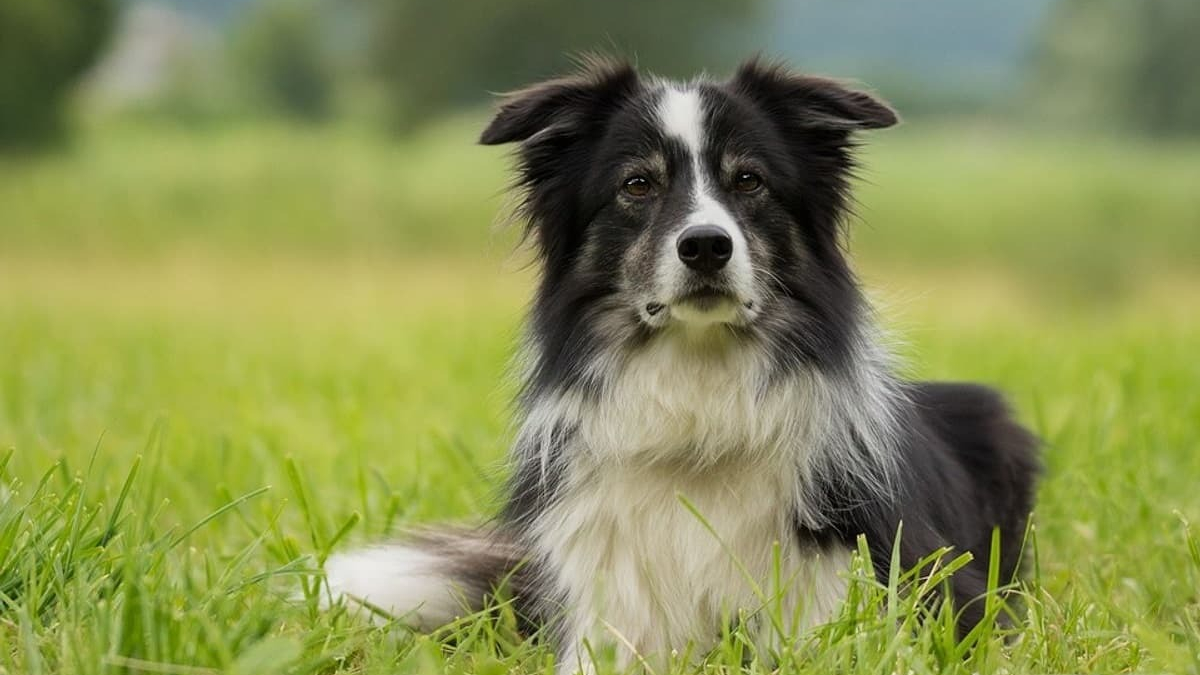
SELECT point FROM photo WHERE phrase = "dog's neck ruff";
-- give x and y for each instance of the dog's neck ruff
(699, 405)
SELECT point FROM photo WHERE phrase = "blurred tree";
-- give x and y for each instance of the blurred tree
(1132, 65)
(282, 51)
(431, 54)
(45, 46)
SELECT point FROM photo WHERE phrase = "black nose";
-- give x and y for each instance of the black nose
(704, 248)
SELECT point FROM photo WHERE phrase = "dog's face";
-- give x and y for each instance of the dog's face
(697, 205)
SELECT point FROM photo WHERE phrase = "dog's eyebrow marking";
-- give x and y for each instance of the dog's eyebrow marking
(682, 116)
(654, 163)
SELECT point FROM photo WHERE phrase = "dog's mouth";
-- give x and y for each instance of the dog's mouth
(705, 298)
(702, 305)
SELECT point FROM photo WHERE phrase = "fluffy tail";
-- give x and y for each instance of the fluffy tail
(430, 578)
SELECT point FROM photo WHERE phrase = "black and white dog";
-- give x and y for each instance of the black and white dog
(708, 420)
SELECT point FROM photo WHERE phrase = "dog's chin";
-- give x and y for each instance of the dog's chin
(706, 310)
(701, 309)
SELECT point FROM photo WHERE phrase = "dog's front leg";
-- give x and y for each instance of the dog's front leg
(592, 641)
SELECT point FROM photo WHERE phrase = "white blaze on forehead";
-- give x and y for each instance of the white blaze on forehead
(681, 113)
(683, 117)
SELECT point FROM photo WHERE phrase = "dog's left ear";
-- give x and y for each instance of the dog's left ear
(811, 102)
(563, 103)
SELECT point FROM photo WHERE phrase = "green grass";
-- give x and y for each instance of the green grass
(222, 357)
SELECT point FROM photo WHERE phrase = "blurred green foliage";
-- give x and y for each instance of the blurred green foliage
(282, 53)
(429, 55)
(45, 45)
(1127, 65)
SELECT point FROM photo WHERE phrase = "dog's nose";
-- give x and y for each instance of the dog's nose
(704, 248)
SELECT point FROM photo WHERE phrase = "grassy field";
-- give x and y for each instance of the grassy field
(223, 356)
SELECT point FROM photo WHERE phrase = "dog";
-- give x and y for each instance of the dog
(708, 419)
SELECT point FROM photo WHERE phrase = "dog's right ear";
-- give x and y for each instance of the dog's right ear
(810, 102)
(570, 102)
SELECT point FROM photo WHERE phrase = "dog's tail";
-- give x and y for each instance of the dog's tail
(429, 578)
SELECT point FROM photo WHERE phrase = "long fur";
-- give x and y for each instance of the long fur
(698, 446)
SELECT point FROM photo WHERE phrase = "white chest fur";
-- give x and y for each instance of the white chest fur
(677, 511)
(652, 561)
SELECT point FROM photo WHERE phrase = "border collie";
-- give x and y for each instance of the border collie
(707, 411)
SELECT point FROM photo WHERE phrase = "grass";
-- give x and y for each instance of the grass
(221, 359)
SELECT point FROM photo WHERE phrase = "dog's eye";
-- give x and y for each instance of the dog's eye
(637, 186)
(746, 181)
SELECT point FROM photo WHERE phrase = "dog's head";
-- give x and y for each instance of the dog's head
(702, 205)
